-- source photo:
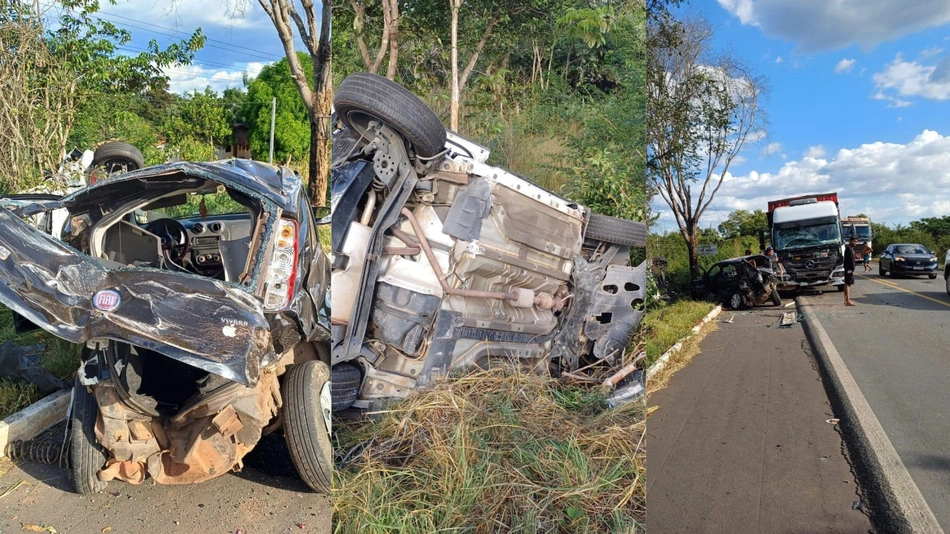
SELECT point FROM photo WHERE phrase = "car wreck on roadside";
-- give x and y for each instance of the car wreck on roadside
(739, 282)
(443, 262)
(198, 292)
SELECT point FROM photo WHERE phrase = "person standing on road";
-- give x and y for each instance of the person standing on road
(849, 265)
(867, 257)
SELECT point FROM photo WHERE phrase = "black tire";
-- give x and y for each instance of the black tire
(881, 270)
(345, 380)
(117, 157)
(932, 276)
(363, 97)
(86, 455)
(306, 431)
(776, 298)
(616, 231)
(737, 301)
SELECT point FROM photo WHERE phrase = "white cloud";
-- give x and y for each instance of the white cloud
(911, 78)
(930, 52)
(778, 59)
(891, 182)
(845, 65)
(187, 78)
(772, 148)
(822, 25)
(817, 151)
(190, 14)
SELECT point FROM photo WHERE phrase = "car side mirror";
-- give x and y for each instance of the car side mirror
(322, 214)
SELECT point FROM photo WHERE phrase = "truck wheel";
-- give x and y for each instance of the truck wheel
(117, 158)
(737, 301)
(346, 380)
(364, 97)
(86, 455)
(307, 405)
(616, 231)
(776, 299)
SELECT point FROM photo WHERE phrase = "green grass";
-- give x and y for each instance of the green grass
(499, 450)
(665, 324)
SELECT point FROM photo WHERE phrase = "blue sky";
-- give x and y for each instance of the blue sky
(857, 103)
(240, 37)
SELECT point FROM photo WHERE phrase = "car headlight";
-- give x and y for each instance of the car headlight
(934, 259)
(898, 259)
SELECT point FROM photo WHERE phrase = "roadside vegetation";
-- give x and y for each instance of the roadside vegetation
(60, 358)
(665, 324)
(499, 449)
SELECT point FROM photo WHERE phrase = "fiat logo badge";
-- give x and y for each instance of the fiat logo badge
(106, 300)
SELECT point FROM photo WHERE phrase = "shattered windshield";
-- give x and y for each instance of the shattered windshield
(800, 236)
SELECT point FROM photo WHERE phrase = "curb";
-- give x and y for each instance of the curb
(896, 503)
(35, 418)
(660, 362)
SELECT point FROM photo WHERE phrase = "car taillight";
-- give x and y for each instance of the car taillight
(282, 270)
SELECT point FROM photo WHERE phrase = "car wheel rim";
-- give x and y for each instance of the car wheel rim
(736, 300)
(326, 402)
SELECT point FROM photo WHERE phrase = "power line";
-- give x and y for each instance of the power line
(180, 32)
(257, 55)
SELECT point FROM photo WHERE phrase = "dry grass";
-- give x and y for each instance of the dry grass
(499, 450)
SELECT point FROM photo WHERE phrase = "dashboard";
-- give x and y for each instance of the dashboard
(210, 235)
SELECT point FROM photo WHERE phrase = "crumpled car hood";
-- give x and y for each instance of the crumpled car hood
(202, 322)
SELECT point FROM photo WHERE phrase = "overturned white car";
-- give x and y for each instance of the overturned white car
(441, 261)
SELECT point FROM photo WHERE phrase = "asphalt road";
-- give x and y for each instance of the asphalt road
(895, 344)
(739, 441)
(265, 497)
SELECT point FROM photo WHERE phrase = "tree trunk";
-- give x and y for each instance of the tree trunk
(393, 39)
(454, 102)
(692, 243)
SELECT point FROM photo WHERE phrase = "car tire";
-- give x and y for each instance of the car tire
(932, 276)
(881, 270)
(363, 97)
(305, 392)
(776, 298)
(345, 379)
(86, 455)
(737, 301)
(616, 231)
(117, 157)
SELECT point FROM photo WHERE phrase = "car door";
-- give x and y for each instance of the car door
(886, 258)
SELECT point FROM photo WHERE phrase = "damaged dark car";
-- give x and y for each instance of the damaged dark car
(443, 262)
(739, 282)
(199, 292)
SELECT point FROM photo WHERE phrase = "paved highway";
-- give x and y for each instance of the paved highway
(895, 343)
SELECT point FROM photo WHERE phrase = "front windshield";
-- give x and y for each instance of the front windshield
(863, 232)
(218, 203)
(911, 249)
(806, 236)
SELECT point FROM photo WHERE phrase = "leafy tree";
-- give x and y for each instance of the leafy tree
(744, 223)
(292, 130)
(935, 226)
(201, 116)
(702, 108)
(313, 84)
(47, 75)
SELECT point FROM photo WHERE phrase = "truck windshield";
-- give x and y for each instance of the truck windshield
(863, 233)
(805, 235)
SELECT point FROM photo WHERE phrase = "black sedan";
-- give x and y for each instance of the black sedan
(908, 259)
(739, 282)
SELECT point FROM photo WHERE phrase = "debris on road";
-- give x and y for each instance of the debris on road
(730, 321)
(792, 303)
(788, 319)
(833, 421)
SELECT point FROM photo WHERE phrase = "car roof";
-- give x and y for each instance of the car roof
(280, 185)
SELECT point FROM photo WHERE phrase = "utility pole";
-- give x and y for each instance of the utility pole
(273, 116)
